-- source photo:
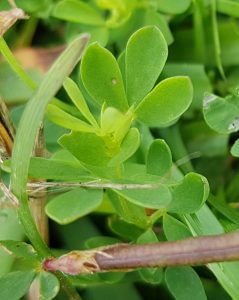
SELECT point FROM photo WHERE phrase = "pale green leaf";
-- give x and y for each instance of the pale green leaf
(167, 102)
(146, 54)
(49, 286)
(102, 78)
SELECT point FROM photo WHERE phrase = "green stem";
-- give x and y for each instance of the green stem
(27, 33)
(14, 64)
(24, 211)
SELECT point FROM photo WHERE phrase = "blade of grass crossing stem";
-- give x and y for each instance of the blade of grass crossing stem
(28, 129)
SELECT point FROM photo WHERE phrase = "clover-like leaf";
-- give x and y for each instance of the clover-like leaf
(216, 109)
(72, 205)
(189, 195)
(101, 77)
(167, 101)
(77, 11)
(159, 158)
(146, 54)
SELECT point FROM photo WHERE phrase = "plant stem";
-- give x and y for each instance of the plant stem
(14, 64)
(191, 251)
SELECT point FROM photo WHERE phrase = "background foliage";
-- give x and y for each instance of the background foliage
(154, 100)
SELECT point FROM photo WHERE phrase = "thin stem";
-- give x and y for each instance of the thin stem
(26, 36)
(14, 64)
(191, 251)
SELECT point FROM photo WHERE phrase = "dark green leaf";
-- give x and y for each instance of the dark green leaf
(159, 158)
(174, 229)
(189, 195)
(184, 284)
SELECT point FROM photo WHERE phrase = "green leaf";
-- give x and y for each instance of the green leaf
(49, 286)
(87, 148)
(228, 7)
(102, 78)
(167, 102)
(129, 212)
(159, 158)
(216, 109)
(184, 284)
(72, 205)
(78, 99)
(150, 275)
(196, 72)
(174, 229)
(173, 6)
(146, 54)
(150, 198)
(63, 119)
(18, 249)
(58, 170)
(190, 194)
(235, 149)
(77, 11)
(15, 285)
(128, 147)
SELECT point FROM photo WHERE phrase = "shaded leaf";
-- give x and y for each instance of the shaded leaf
(184, 284)
(174, 229)
(77, 11)
(189, 195)
(159, 158)
(173, 6)
(72, 205)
